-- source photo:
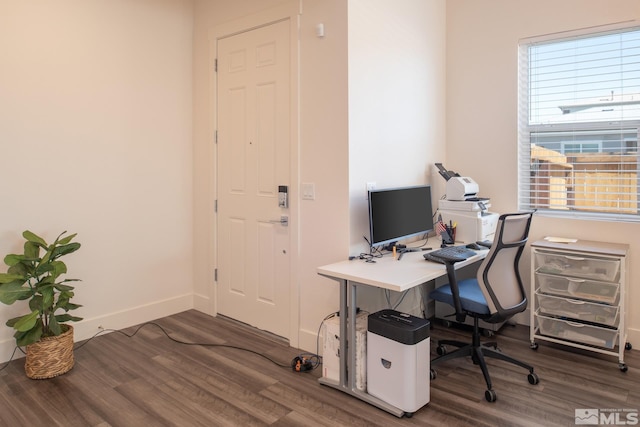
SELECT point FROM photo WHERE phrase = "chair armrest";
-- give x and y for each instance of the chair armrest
(485, 243)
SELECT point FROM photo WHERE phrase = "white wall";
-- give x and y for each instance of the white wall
(96, 132)
(482, 73)
(396, 109)
(324, 159)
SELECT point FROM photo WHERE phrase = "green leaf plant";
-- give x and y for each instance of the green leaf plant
(37, 279)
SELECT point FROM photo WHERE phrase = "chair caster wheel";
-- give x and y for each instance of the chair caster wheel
(623, 367)
(408, 414)
(490, 395)
(487, 333)
(432, 374)
(534, 346)
(533, 378)
(441, 350)
(627, 346)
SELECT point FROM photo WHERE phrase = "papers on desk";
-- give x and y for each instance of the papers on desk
(560, 239)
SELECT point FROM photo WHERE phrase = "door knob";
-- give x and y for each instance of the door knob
(284, 220)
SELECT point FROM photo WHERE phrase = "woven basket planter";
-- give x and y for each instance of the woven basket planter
(51, 356)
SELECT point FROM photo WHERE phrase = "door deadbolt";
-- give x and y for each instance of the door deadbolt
(283, 196)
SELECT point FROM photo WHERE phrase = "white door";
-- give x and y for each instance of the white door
(253, 282)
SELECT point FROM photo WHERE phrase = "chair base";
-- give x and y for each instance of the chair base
(478, 352)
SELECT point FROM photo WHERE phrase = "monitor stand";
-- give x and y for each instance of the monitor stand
(401, 252)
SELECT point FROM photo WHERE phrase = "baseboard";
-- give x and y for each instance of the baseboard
(307, 341)
(202, 303)
(633, 337)
(88, 327)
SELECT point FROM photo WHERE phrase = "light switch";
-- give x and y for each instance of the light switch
(308, 191)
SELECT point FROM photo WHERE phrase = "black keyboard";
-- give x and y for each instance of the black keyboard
(450, 253)
(429, 257)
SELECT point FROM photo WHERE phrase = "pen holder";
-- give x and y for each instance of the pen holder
(449, 235)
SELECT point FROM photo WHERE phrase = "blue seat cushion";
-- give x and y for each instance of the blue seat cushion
(471, 297)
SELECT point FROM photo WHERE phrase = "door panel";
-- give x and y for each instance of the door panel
(253, 160)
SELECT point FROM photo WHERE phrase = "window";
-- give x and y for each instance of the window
(579, 115)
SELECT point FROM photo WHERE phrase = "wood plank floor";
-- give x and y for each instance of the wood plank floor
(150, 380)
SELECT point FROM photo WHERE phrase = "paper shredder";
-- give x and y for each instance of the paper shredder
(398, 351)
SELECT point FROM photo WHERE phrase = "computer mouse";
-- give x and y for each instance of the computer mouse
(474, 246)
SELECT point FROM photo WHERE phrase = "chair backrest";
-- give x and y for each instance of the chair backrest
(499, 274)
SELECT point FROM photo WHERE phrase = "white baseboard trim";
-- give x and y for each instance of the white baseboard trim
(633, 337)
(202, 303)
(307, 341)
(88, 327)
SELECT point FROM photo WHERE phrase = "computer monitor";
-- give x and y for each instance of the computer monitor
(399, 213)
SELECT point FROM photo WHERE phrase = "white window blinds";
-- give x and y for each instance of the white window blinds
(579, 114)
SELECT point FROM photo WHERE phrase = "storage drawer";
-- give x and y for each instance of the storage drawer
(578, 332)
(578, 266)
(578, 288)
(578, 309)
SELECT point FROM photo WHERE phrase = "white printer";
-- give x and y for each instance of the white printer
(462, 207)
(461, 188)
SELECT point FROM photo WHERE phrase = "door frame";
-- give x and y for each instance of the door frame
(290, 11)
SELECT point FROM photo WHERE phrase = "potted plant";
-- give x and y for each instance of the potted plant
(35, 276)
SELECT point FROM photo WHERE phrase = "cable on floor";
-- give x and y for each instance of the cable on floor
(11, 358)
(304, 362)
(185, 342)
(308, 361)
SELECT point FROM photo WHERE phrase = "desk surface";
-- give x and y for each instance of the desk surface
(389, 273)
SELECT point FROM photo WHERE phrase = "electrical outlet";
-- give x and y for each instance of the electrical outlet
(370, 186)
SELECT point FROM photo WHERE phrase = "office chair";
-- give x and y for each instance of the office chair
(495, 295)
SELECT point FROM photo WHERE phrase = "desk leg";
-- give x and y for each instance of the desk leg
(351, 343)
(347, 382)
(344, 346)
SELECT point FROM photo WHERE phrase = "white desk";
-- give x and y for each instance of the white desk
(387, 273)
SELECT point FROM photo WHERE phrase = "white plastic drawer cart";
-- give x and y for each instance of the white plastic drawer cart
(579, 296)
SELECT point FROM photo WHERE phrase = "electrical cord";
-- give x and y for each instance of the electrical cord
(327, 317)
(308, 361)
(168, 336)
(11, 358)
(397, 304)
(373, 253)
(376, 252)
(188, 343)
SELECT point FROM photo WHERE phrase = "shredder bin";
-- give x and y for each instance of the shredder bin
(398, 351)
